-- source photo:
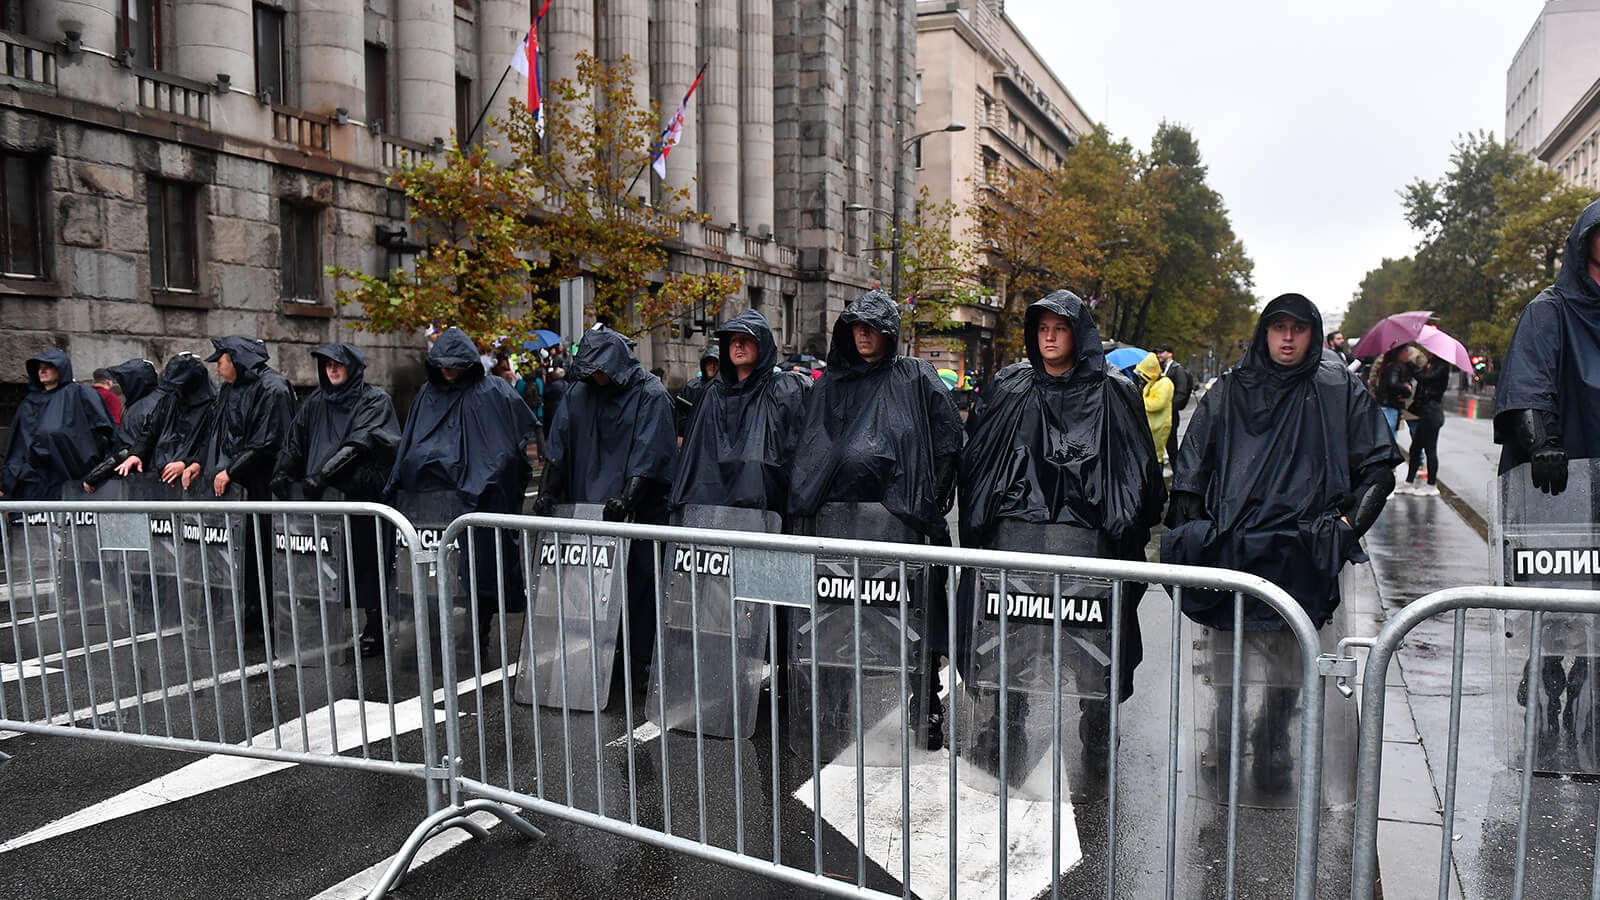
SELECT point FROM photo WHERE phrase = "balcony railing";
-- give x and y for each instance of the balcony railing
(399, 152)
(28, 60)
(716, 238)
(307, 131)
(787, 257)
(174, 96)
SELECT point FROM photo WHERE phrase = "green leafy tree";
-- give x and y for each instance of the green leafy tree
(1537, 211)
(938, 268)
(1384, 291)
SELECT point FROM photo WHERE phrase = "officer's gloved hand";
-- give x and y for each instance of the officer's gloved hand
(313, 486)
(280, 487)
(1185, 507)
(620, 507)
(552, 490)
(1548, 457)
(944, 479)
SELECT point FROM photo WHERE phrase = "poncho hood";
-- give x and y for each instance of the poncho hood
(186, 376)
(1573, 283)
(248, 355)
(875, 309)
(608, 351)
(1087, 349)
(50, 357)
(1150, 368)
(136, 377)
(1070, 449)
(754, 324)
(1257, 359)
(452, 349)
(355, 364)
(714, 354)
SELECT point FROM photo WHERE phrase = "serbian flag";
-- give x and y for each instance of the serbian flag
(674, 130)
(526, 64)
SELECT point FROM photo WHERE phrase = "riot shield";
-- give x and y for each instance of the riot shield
(430, 512)
(211, 570)
(1025, 674)
(712, 647)
(30, 557)
(78, 580)
(828, 637)
(310, 617)
(580, 597)
(1548, 541)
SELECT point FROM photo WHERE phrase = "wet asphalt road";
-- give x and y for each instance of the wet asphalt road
(303, 831)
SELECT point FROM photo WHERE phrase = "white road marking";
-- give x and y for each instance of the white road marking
(141, 637)
(644, 734)
(30, 620)
(361, 884)
(28, 669)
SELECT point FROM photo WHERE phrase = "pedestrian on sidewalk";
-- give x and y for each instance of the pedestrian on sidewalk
(1393, 376)
(1182, 390)
(1547, 401)
(1427, 404)
(1157, 390)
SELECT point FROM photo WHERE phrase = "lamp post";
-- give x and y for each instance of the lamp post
(894, 212)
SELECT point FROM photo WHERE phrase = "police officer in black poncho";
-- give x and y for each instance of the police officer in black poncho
(743, 430)
(710, 364)
(138, 379)
(613, 443)
(1286, 464)
(171, 429)
(344, 437)
(882, 428)
(1063, 441)
(60, 430)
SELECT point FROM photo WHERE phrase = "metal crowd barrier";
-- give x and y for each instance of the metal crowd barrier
(821, 795)
(1539, 602)
(223, 627)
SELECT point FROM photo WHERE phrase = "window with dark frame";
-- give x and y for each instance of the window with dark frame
(174, 241)
(299, 242)
(139, 31)
(270, 63)
(377, 58)
(464, 111)
(22, 198)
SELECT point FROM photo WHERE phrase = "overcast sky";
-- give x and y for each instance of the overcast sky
(1311, 117)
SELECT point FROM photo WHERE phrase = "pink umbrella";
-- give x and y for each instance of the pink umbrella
(1445, 347)
(1391, 332)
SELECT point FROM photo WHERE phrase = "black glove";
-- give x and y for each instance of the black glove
(552, 490)
(107, 467)
(1185, 507)
(945, 469)
(1369, 496)
(281, 485)
(312, 487)
(1544, 450)
(622, 506)
(338, 467)
(239, 467)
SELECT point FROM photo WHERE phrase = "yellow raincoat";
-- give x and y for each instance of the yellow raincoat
(1157, 402)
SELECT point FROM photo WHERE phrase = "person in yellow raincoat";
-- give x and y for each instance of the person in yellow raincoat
(1157, 391)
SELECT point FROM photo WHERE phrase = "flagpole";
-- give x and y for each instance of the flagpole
(663, 135)
(488, 103)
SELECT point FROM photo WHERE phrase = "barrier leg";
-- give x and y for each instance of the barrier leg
(441, 821)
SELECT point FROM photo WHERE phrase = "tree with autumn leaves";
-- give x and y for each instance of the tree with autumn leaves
(498, 239)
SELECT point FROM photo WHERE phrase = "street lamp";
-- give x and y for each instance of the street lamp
(894, 212)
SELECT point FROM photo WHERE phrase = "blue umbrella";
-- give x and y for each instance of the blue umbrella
(1126, 357)
(541, 339)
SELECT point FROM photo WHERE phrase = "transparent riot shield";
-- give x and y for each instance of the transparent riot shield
(310, 617)
(430, 513)
(1017, 663)
(1270, 716)
(211, 572)
(580, 597)
(1548, 541)
(708, 674)
(144, 545)
(829, 698)
(30, 557)
(78, 580)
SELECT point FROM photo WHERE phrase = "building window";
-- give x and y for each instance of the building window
(787, 326)
(270, 64)
(299, 240)
(917, 89)
(991, 166)
(22, 244)
(170, 208)
(465, 114)
(140, 31)
(916, 153)
(378, 86)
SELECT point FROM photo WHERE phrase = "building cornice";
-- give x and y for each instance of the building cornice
(1567, 128)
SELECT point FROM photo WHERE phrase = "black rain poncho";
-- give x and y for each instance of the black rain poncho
(252, 416)
(354, 414)
(1276, 454)
(138, 380)
(1072, 449)
(1553, 363)
(185, 409)
(56, 435)
(873, 430)
(468, 436)
(605, 435)
(743, 433)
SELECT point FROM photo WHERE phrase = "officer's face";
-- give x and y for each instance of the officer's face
(336, 372)
(225, 369)
(1055, 341)
(742, 352)
(869, 341)
(450, 374)
(1594, 254)
(1288, 340)
(49, 376)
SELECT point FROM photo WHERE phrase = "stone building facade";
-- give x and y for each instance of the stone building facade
(181, 169)
(1552, 70)
(1573, 147)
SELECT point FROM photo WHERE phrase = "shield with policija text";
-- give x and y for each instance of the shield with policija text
(867, 619)
(1012, 676)
(579, 600)
(707, 676)
(310, 615)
